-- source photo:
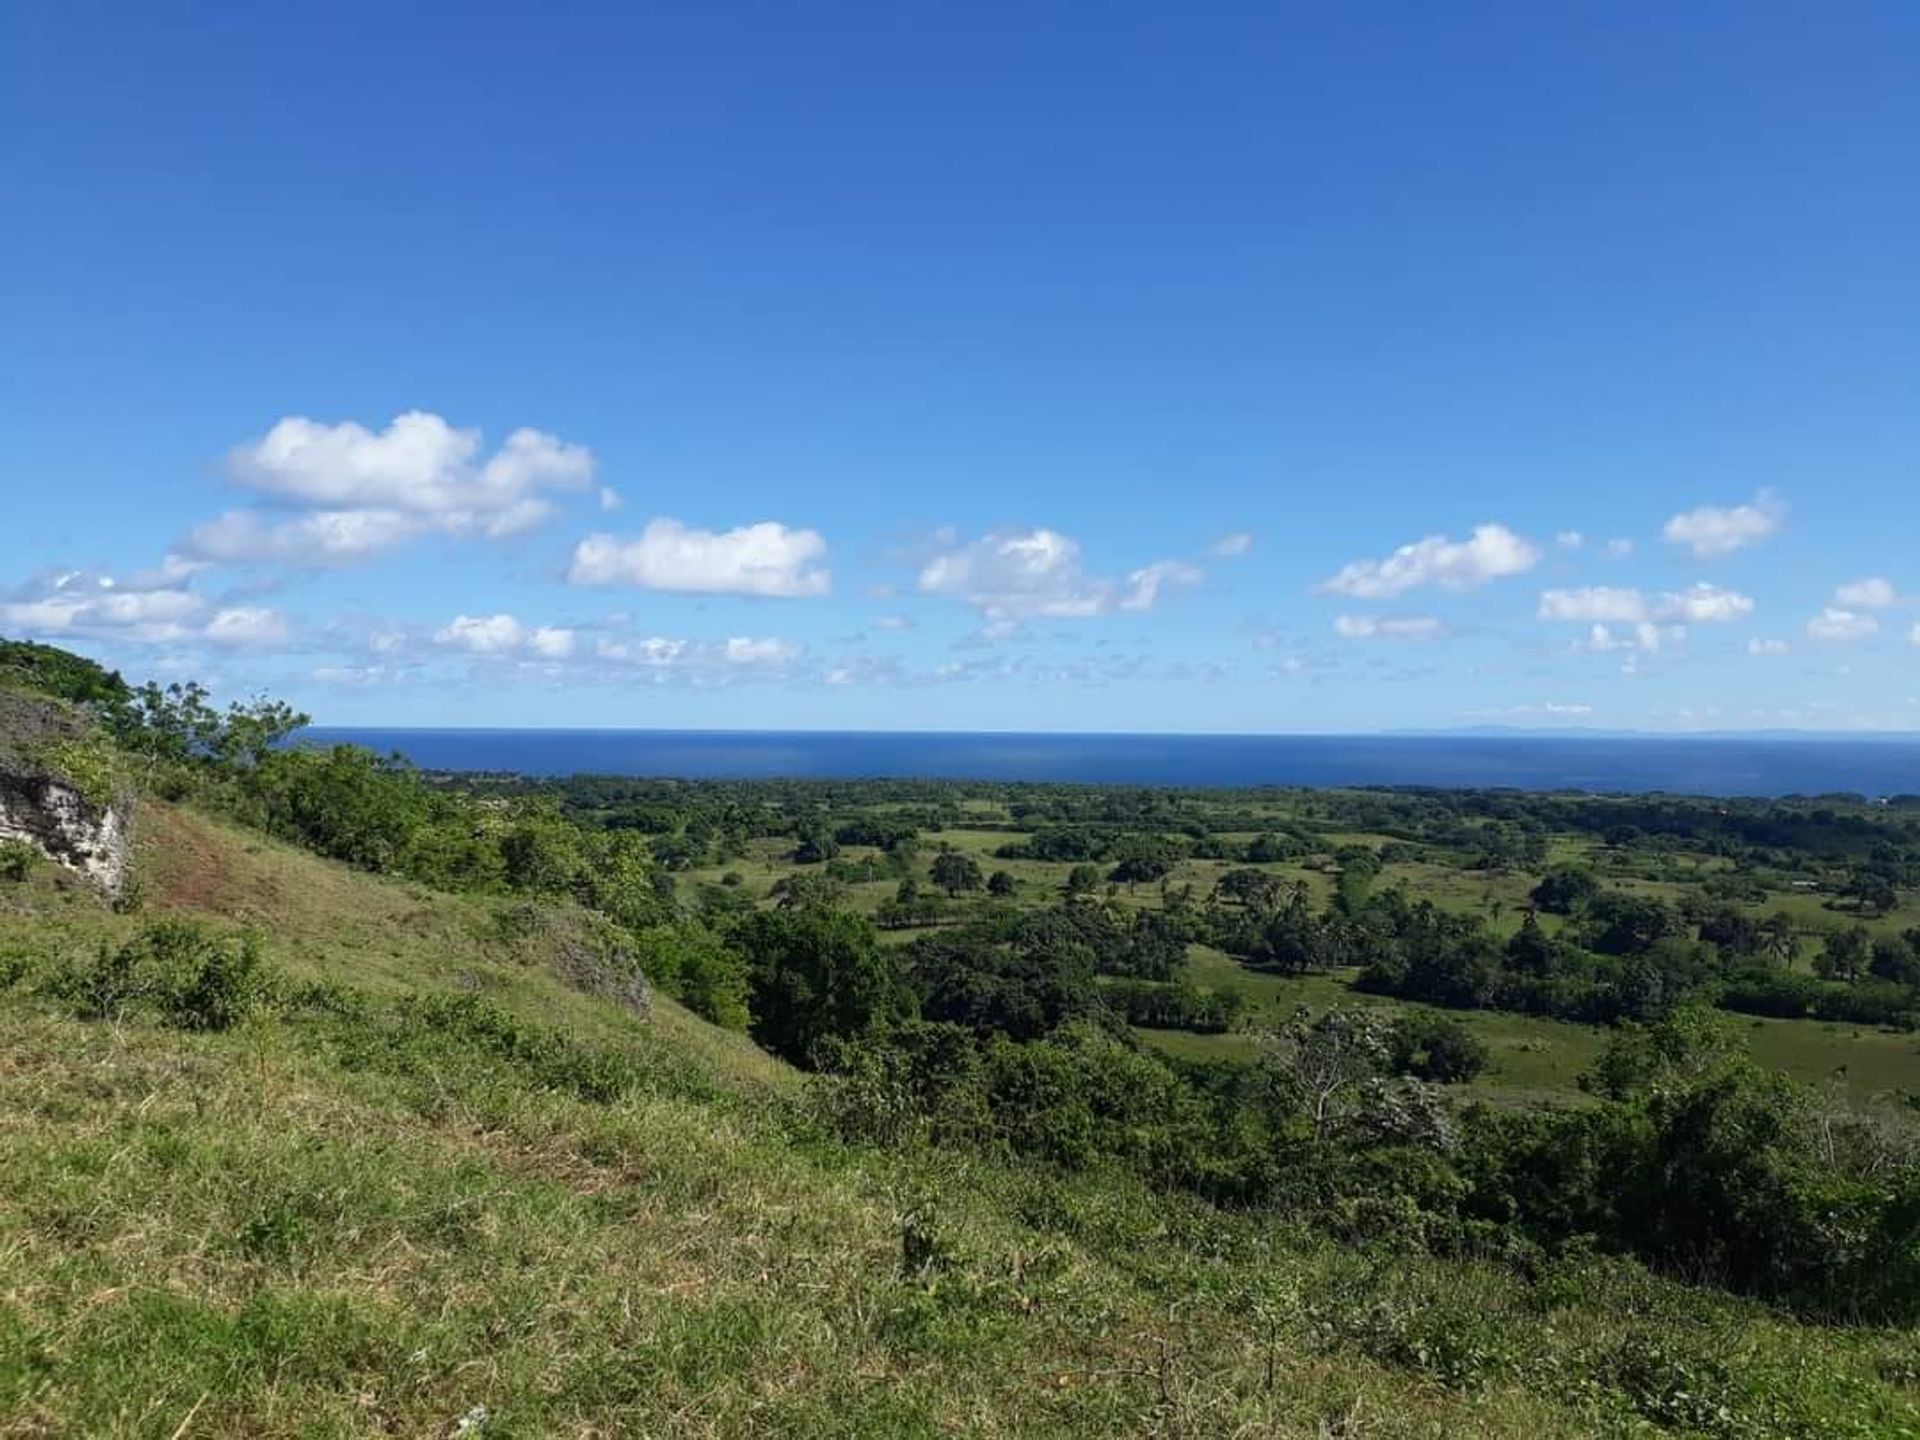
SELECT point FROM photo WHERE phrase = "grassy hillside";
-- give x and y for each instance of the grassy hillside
(365, 1212)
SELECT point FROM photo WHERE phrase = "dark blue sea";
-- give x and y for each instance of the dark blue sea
(1733, 765)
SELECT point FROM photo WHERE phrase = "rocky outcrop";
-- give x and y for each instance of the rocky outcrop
(75, 814)
(50, 814)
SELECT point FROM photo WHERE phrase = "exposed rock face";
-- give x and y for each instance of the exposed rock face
(48, 813)
(45, 805)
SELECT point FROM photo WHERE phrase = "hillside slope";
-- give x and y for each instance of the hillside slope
(437, 1184)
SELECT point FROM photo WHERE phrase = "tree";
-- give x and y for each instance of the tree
(1319, 1069)
(542, 855)
(1001, 884)
(1894, 959)
(1531, 950)
(953, 872)
(1142, 858)
(1846, 956)
(815, 846)
(816, 974)
(1255, 889)
(1565, 889)
(1436, 1048)
(1083, 880)
(1358, 867)
(48, 670)
(699, 969)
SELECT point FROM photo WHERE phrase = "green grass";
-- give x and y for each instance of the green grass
(328, 1223)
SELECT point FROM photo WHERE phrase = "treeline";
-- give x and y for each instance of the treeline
(1620, 956)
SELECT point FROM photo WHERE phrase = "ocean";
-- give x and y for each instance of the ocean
(1719, 765)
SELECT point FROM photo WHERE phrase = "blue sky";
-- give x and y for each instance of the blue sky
(1216, 368)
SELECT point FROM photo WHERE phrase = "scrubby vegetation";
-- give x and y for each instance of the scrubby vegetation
(366, 1121)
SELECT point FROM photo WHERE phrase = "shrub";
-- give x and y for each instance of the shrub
(18, 860)
(193, 979)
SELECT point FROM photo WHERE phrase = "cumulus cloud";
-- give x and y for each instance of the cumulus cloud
(551, 642)
(1836, 623)
(1770, 647)
(357, 492)
(1701, 604)
(1570, 540)
(1873, 593)
(419, 463)
(1237, 543)
(503, 634)
(153, 607)
(768, 559)
(321, 540)
(1619, 548)
(482, 634)
(1705, 604)
(1491, 552)
(892, 622)
(1039, 574)
(505, 637)
(1390, 627)
(1710, 531)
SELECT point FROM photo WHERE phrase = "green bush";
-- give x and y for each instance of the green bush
(18, 860)
(189, 977)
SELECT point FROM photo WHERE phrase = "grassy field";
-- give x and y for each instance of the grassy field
(324, 1224)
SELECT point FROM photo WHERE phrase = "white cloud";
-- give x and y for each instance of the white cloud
(1391, 627)
(654, 650)
(153, 607)
(1711, 531)
(1038, 574)
(1704, 604)
(551, 642)
(1570, 540)
(892, 622)
(1913, 635)
(1700, 604)
(243, 626)
(1836, 623)
(1619, 548)
(1594, 602)
(767, 559)
(1145, 584)
(482, 634)
(419, 463)
(1759, 646)
(358, 493)
(320, 540)
(1870, 594)
(610, 498)
(1645, 637)
(1492, 551)
(1237, 543)
(738, 652)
